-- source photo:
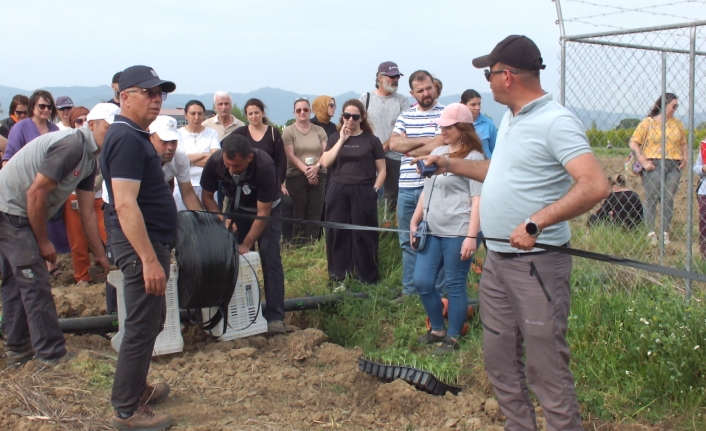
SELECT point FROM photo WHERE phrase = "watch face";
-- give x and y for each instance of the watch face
(532, 228)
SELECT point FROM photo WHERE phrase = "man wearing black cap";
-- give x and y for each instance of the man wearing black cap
(383, 106)
(142, 232)
(116, 93)
(528, 197)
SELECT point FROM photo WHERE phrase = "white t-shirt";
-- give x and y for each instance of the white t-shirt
(61, 126)
(197, 143)
(178, 168)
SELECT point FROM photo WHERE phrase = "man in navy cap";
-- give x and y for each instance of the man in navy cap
(142, 230)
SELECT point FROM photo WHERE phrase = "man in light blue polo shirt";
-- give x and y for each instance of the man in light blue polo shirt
(527, 197)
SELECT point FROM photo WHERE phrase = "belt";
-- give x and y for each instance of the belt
(528, 253)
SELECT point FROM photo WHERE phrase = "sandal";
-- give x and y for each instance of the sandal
(55, 272)
(431, 338)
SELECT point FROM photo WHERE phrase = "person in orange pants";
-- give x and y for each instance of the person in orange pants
(77, 240)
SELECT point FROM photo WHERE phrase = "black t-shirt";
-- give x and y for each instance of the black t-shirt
(259, 184)
(623, 207)
(272, 144)
(129, 155)
(355, 162)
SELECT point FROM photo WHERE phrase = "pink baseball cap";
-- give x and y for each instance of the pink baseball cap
(455, 113)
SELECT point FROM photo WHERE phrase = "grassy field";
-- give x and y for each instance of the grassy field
(637, 346)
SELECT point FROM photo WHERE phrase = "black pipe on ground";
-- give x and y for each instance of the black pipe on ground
(99, 324)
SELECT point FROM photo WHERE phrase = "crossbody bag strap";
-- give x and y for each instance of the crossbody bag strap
(431, 192)
(367, 102)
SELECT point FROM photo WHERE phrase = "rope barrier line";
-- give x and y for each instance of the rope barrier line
(560, 249)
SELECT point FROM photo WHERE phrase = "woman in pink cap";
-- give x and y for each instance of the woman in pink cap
(449, 204)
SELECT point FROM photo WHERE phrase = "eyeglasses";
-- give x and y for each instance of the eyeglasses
(44, 107)
(65, 108)
(348, 116)
(488, 73)
(79, 121)
(300, 110)
(150, 92)
(21, 113)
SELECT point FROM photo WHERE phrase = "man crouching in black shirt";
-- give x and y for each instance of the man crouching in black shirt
(249, 180)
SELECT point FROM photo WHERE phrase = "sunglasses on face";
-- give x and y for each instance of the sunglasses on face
(394, 77)
(65, 108)
(488, 73)
(21, 113)
(300, 110)
(676, 106)
(348, 116)
(332, 105)
(44, 107)
(151, 92)
(79, 121)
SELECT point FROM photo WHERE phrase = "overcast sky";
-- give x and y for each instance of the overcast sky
(307, 46)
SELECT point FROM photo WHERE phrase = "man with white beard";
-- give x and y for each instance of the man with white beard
(383, 106)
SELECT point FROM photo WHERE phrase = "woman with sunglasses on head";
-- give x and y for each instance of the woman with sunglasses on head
(357, 162)
(324, 108)
(646, 143)
(268, 139)
(199, 142)
(450, 205)
(42, 113)
(79, 245)
(306, 178)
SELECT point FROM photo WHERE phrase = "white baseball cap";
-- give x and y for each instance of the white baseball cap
(165, 127)
(103, 111)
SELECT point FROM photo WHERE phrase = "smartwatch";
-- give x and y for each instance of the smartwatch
(532, 228)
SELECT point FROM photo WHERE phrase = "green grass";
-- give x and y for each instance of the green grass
(97, 374)
(633, 336)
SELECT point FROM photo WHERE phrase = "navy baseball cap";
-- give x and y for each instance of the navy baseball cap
(389, 68)
(64, 102)
(515, 51)
(143, 77)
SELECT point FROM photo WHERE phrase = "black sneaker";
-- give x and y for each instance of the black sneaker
(447, 346)
(430, 338)
(17, 358)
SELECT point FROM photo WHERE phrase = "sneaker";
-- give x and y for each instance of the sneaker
(653, 238)
(430, 338)
(399, 298)
(144, 419)
(154, 394)
(276, 327)
(56, 361)
(447, 346)
(340, 288)
(20, 357)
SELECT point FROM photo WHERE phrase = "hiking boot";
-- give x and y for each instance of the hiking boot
(144, 419)
(276, 327)
(154, 394)
(19, 357)
(430, 338)
(449, 345)
(56, 361)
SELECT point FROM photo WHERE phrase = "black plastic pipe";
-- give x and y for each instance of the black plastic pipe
(99, 324)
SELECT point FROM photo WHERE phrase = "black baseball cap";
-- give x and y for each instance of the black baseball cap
(116, 77)
(389, 68)
(515, 51)
(143, 77)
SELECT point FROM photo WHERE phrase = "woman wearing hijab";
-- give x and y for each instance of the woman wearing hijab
(324, 108)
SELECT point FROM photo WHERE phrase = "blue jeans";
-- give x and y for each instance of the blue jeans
(406, 204)
(443, 254)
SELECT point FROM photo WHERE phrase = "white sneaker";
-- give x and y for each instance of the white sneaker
(653, 238)
(340, 288)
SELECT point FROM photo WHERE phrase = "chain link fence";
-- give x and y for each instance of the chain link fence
(611, 80)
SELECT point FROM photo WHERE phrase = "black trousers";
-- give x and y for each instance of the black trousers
(111, 295)
(391, 185)
(28, 309)
(352, 251)
(143, 322)
(271, 259)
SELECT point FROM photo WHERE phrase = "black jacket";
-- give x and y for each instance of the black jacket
(5, 126)
(329, 128)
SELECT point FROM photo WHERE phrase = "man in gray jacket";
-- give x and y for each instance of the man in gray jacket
(36, 183)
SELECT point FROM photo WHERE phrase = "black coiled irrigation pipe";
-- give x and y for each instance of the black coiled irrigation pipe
(207, 256)
(103, 324)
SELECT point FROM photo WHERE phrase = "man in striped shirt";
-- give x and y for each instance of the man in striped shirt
(415, 135)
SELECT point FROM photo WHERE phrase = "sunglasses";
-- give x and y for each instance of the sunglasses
(151, 92)
(332, 105)
(44, 107)
(348, 116)
(488, 73)
(21, 113)
(300, 110)
(675, 106)
(65, 108)
(79, 121)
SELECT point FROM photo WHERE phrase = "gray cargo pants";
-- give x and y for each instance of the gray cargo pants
(524, 303)
(28, 309)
